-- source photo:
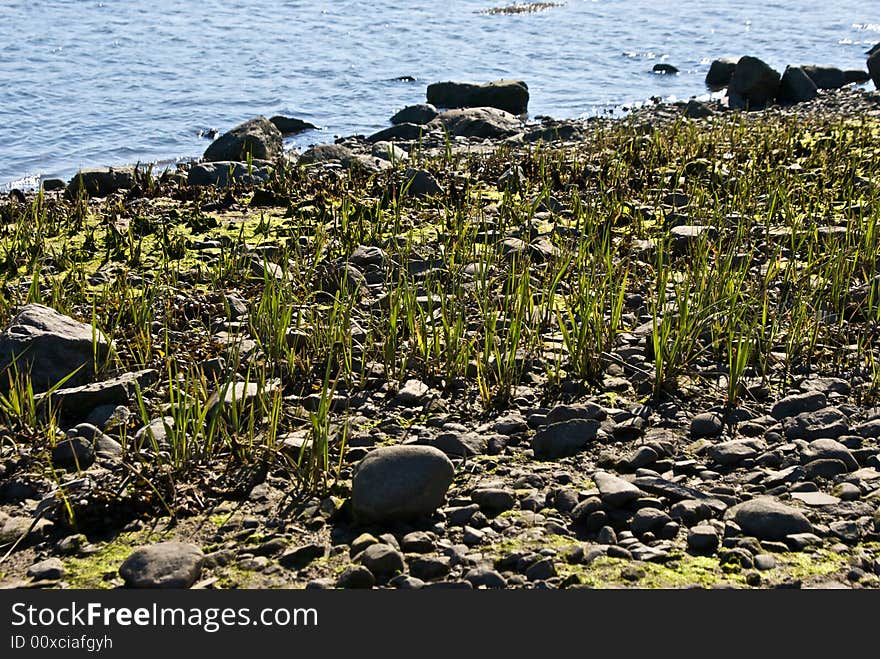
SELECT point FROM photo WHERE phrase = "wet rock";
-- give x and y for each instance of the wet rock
(767, 518)
(508, 95)
(478, 122)
(163, 565)
(874, 68)
(100, 181)
(664, 69)
(753, 84)
(614, 491)
(559, 440)
(382, 560)
(720, 72)
(798, 404)
(290, 125)
(224, 173)
(50, 569)
(400, 482)
(255, 139)
(707, 424)
(419, 114)
(796, 86)
(51, 346)
(825, 77)
(859, 76)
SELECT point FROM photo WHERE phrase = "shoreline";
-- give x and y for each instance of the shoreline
(607, 353)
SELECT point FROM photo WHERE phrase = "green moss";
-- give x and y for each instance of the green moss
(809, 566)
(687, 571)
(98, 570)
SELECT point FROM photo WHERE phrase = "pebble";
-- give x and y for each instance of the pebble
(382, 560)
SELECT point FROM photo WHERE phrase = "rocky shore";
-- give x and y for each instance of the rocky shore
(469, 351)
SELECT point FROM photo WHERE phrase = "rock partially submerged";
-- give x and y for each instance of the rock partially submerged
(509, 95)
(291, 125)
(224, 173)
(754, 84)
(50, 347)
(257, 139)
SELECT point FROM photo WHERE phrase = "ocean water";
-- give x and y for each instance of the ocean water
(87, 83)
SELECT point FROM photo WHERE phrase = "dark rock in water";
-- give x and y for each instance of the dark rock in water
(405, 131)
(404, 79)
(419, 114)
(73, 454)
(753, 85)
(855, 76)
(873, 49)
(720, 73)
(163, 565)
(421, 183)
(290, 125)
(768, 519)
(255, 139)
(796, 86)
(665, 69)
(50, 346)
(326, 153)
(825, 77)
(478, 122)
(400, 482)
(697, 110)
(100, 181)
(508, 95)
(52, 184)
(223, 173)
(874, 65)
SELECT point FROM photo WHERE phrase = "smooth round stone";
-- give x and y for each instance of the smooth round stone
(703, 538)
(764, 562)
(163, 565)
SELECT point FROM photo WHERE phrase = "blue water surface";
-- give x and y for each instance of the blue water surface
(85, 83)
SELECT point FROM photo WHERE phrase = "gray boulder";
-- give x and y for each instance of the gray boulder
(753, 85)
(478, 122)
(163, 565)
(223, 173)
(290, 125)
(400, 482)
(419, 114)
(258, 139)
(614, 491)
(76, 403)
(825, 77)
(720, 73)
(767, 518)
(796, 86)
(50, 346)
(509, 95)
(100, 181)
